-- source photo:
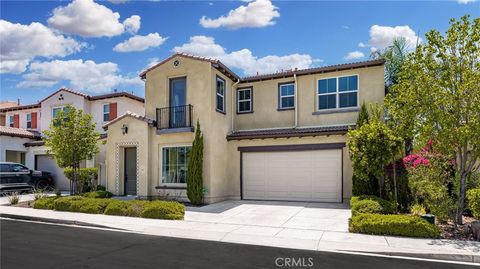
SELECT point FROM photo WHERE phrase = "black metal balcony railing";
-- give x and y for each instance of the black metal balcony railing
(174, 117)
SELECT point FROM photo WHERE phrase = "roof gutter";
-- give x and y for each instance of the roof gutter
(234, 94)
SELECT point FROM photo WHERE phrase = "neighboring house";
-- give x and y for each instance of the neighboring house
(268, 137)
(21, 135)
(5, 104)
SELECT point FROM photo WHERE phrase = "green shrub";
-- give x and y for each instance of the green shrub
(163, 210)
(98, 194)
(418, 210)
(95, 206)
(85, 177)
(387, 207)
(398, 225)
(100, 188)
(117, 208)
(70, 203)
(473, 197)
(44, 203)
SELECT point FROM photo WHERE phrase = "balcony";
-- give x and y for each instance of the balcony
(174, 119)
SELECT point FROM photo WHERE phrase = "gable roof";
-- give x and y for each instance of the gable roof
(132, 115)
(18, 132)
(97, 97)
(215, 63)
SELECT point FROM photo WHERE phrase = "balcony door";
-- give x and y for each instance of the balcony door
(178, 102)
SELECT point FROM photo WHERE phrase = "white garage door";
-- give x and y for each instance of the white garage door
(47, 163)
(314, 175)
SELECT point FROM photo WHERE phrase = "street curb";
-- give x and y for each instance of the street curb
(432, 256)
(57, 221)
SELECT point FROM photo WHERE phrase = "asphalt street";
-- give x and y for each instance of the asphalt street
(39, 245)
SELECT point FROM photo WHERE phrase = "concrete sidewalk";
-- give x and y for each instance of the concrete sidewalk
(308, 239)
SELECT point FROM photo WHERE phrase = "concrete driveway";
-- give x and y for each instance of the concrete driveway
(282, 215)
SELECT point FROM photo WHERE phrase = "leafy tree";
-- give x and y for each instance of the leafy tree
(371, 147)
(195, 169)
(438, 97)
(71, 139)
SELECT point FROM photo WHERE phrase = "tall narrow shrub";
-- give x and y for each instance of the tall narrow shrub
(195, 169)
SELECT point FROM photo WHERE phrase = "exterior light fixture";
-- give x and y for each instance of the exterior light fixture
(124, 129)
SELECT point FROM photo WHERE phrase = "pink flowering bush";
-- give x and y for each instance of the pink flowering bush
(430, 179)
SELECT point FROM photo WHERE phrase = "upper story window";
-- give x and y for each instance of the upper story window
(56, 111)
(106, 112)
(29, 120)
(339, 92)
(220, 94)
(244, 100)
(286, 98)
(11, 121)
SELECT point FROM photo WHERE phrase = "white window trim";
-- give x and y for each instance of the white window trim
(337, 93)
(160, 167)
(244, 100)
(286, 96)
(217, 79)
(61, 108)
(103, 112)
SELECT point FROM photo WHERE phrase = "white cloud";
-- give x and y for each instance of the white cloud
(140, 43)
(152, 61)
(244, 59)
(362, 45)
(354, 55)
(132, 24)
(19, 44)
(117, 1)
(346, 27)
(382, 36)
(89, 19)
(82, 75)
(259, 13)
(466, 1)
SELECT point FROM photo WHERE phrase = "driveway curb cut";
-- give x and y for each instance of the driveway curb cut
(475, 259)
(57, 221)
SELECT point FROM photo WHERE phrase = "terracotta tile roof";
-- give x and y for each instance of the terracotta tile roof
(34, 143)
(316, 70)
(116, 94)
(18, 132)
(129, 114)
(6, 104)
(290, 132)
(215, 63)
(22, 107)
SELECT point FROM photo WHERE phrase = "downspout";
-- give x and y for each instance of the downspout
(296, 99)
(234, 109)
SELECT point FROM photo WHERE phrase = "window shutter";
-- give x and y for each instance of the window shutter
(34, 120)
(16, 121)
(113, 111)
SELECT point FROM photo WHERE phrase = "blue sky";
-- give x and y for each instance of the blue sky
(83, 44)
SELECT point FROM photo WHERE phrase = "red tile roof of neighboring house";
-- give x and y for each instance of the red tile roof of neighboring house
(129, 114)
(18, 132)
(116, 94)
(289, 132)
(215, 63)
(22, 107)
(6, 104)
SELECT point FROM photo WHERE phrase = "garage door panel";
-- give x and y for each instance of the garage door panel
(293, 176)
(48, 164)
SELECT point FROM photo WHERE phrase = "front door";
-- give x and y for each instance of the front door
(178, 101)
(130, 171)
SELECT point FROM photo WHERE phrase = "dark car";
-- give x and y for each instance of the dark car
(17, 177)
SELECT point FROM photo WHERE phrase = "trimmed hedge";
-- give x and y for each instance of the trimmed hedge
(398, 225)
(98, 194)
(145, 209)
(45, 203)
(473, 197)
(371, 204)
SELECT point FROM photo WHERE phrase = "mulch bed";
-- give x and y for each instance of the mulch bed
(463, 232)
(28, 204)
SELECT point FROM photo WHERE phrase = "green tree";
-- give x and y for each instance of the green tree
(437, 97)
(371, 147)
(195, 169)
(72, 139)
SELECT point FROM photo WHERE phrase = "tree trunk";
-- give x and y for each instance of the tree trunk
(395, 184)
(408, 146)
(461, 198)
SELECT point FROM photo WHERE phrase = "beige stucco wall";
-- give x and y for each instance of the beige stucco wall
(265, 100)
(233, 165)
(124, 104)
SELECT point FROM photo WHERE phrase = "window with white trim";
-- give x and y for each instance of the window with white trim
(106, 112)
(11, 120)
(244, 100)
(338, 92)
(56, 111)
(286, 96)
(220, 94)
(175, 164)
(29, 120)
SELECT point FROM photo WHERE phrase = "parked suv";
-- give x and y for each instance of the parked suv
(17, 177)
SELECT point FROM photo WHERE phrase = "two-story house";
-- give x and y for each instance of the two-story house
(24, 126)
(268, 137)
